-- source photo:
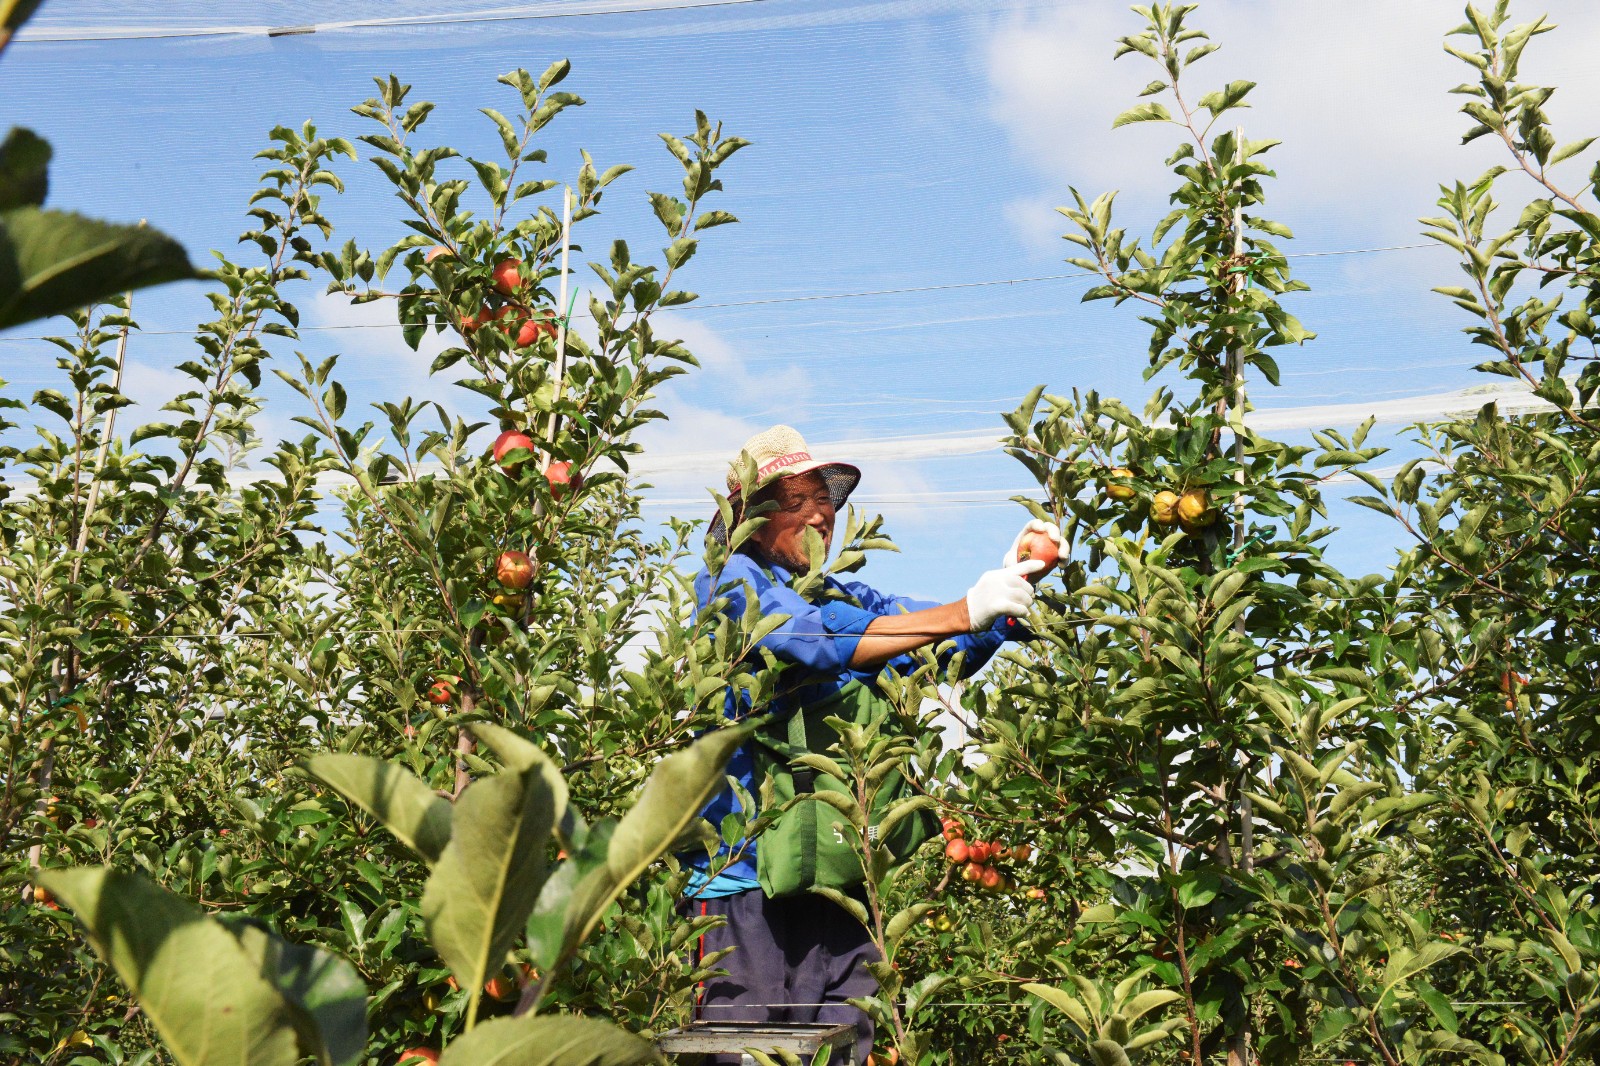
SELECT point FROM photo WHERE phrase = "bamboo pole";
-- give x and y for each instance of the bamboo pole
(1239, 1042)
(561, 322)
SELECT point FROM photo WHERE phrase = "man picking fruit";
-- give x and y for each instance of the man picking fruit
(797, 955)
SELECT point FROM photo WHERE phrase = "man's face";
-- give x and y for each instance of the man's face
(803, 501)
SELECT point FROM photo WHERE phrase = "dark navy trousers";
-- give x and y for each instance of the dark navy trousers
(795, 959)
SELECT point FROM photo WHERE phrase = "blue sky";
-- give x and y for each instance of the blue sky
(897, 145)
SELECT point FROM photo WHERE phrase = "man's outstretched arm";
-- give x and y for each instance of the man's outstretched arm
(998, 594)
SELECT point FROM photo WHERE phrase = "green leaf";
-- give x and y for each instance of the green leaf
(1405, 964)
(1107, 1053)
(52, 262)
(1228, 97)
(326, 996)
(1439, 1005)
(1064, 1003)
(24, 170)
(1099, 914)
(549, 1041)
(1150, 111)
(405, 805)
(903, 921)
(519, 753)
(1567, 151)
(613, 858)
(854, 907)
(198, 987)
(488, 877)
(1198, 888)
(1145, 1002)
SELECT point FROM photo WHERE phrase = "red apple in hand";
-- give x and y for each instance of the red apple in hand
(507, 276)
(514, 570)
(509, 441)
(1038, 546)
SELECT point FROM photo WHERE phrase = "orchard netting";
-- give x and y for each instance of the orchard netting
(897, 278)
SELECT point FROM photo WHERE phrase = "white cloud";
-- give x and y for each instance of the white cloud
(689, 452)
(1358, 91)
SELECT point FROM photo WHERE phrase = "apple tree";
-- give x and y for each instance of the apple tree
(206, 637)
(1207, 741)
(1502, 517)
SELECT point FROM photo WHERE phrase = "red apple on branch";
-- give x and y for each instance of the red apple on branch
(514, 570)
(562, 478)
(415, 1055)
(443, 689)
(530, 331)
(507, 276)
(510, 441)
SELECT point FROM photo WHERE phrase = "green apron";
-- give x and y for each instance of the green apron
(812, 844)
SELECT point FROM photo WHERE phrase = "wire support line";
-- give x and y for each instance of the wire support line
(768, 301)
(89, 34)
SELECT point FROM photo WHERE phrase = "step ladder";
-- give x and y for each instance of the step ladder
(804, 1039)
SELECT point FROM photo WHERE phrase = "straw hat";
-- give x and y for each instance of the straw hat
(781, 452)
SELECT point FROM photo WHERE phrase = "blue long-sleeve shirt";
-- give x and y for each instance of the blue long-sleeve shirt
(817, 640)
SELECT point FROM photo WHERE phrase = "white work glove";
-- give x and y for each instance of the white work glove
(1003, 593)
(1049, 529)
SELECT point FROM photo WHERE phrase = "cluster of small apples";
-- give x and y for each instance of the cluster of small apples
(520, 323)
(976, 858)
(514, 570)
(504, 986)
(1191, 510)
